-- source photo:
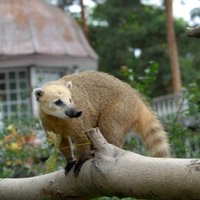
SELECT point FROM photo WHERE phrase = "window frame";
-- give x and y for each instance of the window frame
(20, 101)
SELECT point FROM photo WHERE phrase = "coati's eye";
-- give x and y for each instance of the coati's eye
(58, 102)
(70, 100)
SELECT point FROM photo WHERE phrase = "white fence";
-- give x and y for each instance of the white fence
(169, 104)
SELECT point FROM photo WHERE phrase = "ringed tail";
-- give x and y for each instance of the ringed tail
(152, 133)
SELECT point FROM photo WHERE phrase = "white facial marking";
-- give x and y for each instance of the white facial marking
(50, 105)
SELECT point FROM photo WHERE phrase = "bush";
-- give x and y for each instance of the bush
(183, 127)
(22, 153)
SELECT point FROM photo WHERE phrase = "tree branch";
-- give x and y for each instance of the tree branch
(112, 172)
(193, 32)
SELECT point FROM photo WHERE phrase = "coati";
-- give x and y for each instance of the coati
(75, 103)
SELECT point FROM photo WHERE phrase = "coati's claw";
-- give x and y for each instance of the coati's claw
(78, 166)
(69, 166)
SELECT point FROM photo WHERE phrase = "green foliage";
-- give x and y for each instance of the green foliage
(121, 27)
(51, 161)
(193, 98)
(55, 140)
(24, 149)
(126, 29)
(143, 83)
(177, 137)
(182, 127)
(21, 154)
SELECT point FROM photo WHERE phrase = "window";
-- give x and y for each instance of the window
(14, 93)
(2, 76)
(44, 76)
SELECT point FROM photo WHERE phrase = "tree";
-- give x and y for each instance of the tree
(62, 4)
(119, 29)
(122, 28)
(172, 48)
(112, 171)
(195, 15)
(83, 18)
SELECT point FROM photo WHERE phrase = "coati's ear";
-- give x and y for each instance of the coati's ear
(38, 92)
(69, 85)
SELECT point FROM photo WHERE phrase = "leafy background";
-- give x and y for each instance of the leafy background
(130, 39)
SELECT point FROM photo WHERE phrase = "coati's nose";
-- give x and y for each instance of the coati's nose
(78, 113)
(73, 113)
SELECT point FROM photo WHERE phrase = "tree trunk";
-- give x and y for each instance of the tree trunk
(83, 18)
(172, 48)
(112, 172)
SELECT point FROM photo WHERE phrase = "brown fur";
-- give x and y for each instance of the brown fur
(107, 103)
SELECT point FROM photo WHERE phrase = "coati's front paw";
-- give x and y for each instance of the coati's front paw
(78, 166)
(69, 166)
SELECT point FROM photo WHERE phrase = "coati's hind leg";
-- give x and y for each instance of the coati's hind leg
(112, 135)
(114, 122)
(112, 131)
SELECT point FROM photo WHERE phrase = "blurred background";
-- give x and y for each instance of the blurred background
(142, 42)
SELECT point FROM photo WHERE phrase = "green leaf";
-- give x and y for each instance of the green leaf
(57, 140)
(50, 163)
(53, 138)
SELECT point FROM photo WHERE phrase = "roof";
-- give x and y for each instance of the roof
(36, 27)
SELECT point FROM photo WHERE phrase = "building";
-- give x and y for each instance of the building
(38, 43)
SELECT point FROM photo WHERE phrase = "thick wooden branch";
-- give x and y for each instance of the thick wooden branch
(193, 32)
(112, 172)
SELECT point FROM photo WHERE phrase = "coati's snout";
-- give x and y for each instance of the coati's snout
(73, 113)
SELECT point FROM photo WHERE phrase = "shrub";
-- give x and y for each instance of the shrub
(21, 154)
(182, 127)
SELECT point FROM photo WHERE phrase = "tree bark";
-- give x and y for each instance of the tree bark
(83, 18)
(172, 48)
(112, 172)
